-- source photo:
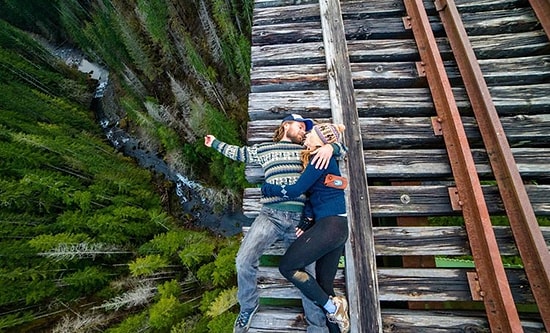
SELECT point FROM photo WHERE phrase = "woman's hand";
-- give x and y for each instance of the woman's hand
(306, 223)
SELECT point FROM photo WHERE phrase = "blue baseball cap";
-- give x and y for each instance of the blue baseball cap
(296, 117)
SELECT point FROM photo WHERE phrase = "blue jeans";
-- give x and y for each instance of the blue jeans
(269, 226)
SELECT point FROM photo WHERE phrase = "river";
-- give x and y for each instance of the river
(193, 196)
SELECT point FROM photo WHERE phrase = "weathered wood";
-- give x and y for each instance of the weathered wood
(375, 10)
(400, 164)
(383, 50)
(406, 321)
(433, 200)
(423, 241)
(427, 241)
(274, 30)
(382, 7)
(389, 102)
(403, 284)
(361, 286)
(514, 71)
(290, 320)
(405, 132)
(289, 76)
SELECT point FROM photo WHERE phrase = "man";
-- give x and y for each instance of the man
(278, 217)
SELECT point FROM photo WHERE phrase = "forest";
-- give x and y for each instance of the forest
(89, 240)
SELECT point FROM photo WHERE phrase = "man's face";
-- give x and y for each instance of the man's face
(295, 131)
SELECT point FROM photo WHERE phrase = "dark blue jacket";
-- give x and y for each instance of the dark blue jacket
(325, 201)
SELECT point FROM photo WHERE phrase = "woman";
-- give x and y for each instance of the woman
(324, 241)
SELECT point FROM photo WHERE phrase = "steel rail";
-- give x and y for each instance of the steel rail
(542, 11)
(523, 222)
(495, 290)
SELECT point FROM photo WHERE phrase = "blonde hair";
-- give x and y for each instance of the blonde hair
(326, 134)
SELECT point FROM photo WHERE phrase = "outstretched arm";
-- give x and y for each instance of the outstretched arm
(242, 154)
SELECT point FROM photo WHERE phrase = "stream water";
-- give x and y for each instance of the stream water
(193, 197)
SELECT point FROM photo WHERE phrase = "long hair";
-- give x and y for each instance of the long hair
(305, 155)
(279, 133)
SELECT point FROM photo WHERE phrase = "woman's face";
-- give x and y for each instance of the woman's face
(312, 141)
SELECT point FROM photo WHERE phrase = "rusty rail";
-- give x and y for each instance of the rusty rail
(542, 11)
(493, 283)
(523, 222)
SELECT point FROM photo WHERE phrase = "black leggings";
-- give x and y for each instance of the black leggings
(323, 244)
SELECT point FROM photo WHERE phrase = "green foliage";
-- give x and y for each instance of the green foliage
(225, 271)
(225, 172)
(13, 320)
(235, 47)
(100, 34)
(155, 15)
(192, 324)
(167, 312)
(137, 50)
(26, 14)
(197, 62)
(169, 288)
(133, 323)
(156, 131)
(192, 256)
(222, 271)
(225, 301)
(221, 323)
(86, 281)
(46, 242)
(67, 196)
(147, 265)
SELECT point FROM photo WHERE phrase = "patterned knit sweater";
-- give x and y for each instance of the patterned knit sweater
(280, 162)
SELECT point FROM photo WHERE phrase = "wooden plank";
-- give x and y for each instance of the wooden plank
(448, 241)
(512, 71)
(408, 132)
(290, 320)
(383, 6)
(403, 284)
(299, 13)
(276, 31)
(427, 241)
(444, 321)
(376, 50)
(361, 284)
(390, 102)
(401, 164)
(433, 200)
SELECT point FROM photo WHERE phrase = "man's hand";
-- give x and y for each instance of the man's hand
(208, 139)
(321, 159)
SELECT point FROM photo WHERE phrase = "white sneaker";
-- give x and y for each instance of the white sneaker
(340, 316)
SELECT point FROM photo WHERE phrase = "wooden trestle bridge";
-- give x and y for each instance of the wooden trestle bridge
(447, 109)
